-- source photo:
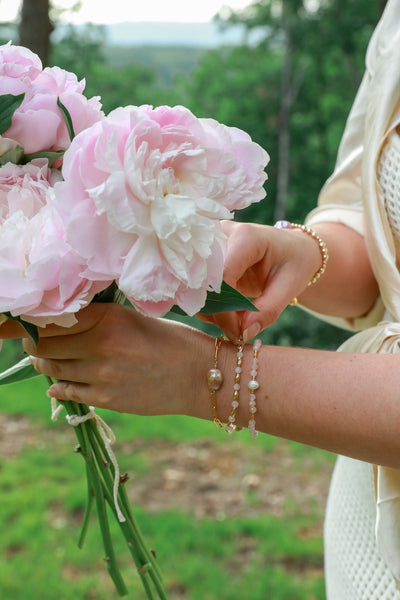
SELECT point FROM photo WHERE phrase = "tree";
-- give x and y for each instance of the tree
(35, 27)
(36, 24)
(320, 47)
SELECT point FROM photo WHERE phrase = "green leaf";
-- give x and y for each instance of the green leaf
(8, 105)
(51, 156)
(18, 372)
(67, 119)
(30, 329)
(14, 156)
(227, 300)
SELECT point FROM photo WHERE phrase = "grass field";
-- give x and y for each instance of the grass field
(229, 518)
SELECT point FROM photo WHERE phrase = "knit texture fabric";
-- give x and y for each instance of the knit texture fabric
(389, 181)
(354, 569)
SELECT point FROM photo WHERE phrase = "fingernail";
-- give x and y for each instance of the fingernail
(231, 336)
(51, 393)
(253, 330)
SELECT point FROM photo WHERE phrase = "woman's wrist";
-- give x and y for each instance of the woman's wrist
(318, 251)
(231, 404)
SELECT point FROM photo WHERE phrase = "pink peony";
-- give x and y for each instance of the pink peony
(40, 275)
(38, 125)
(17, 62)
(143, 194)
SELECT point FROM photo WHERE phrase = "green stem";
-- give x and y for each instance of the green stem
(88, 510)
(130, 530)
(83, 431)
(100, 480)
(141, 556)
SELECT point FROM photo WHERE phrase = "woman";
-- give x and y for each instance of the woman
(346, 402)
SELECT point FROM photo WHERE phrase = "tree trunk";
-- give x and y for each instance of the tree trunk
(35, 28)
(291, 80)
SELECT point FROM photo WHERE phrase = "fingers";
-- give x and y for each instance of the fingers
(77, 381)
(274, 299)
(57, 347)
(87, 318)
(246, 246)
(62, 369)
(12, 329)
(85, 339)
(230, 323)
(77, 392)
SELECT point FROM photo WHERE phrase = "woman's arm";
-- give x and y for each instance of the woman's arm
(275, 265)
(348, 287)
(114, 358)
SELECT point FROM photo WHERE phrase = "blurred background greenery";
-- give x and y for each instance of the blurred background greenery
(291, 90)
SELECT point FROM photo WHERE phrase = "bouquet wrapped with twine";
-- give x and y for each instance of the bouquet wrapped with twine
(124, 207)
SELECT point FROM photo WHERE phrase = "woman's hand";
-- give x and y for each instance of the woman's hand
(275, 265)
(115, 358)
(272, 266)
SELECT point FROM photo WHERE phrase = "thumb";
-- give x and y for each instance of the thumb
(87, 318)
(274, 299)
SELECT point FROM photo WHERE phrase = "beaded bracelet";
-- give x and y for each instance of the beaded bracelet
(214, 381)
(253, 386)
(320, 242)
(231, 426)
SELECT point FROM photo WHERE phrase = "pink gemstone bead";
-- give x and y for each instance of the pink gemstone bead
(257, 345)
(283, 225)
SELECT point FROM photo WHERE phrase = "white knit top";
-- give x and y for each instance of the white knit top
(354, 569)
(389, 181)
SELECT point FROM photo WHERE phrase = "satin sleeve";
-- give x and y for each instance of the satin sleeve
(341, 198)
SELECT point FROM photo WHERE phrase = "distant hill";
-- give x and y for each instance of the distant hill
(205, 35)
(167, 61)
(194, 35)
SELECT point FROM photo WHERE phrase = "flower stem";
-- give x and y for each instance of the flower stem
(100, 473)
(144, 560)
(88, 510)
(95, 482)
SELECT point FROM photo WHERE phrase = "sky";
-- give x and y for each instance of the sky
(117, 11)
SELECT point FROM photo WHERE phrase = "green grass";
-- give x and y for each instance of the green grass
(42, 492)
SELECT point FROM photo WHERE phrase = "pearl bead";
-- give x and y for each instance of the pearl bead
(214, 379)
(253, 385)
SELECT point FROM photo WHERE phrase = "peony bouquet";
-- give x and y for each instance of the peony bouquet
(95, 206)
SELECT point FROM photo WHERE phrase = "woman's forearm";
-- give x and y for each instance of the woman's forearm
(116, 359)
(348, 287)
(341, 402)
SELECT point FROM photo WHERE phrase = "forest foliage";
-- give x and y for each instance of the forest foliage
(291, 91)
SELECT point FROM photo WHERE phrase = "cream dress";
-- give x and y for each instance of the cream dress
(362, 527)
